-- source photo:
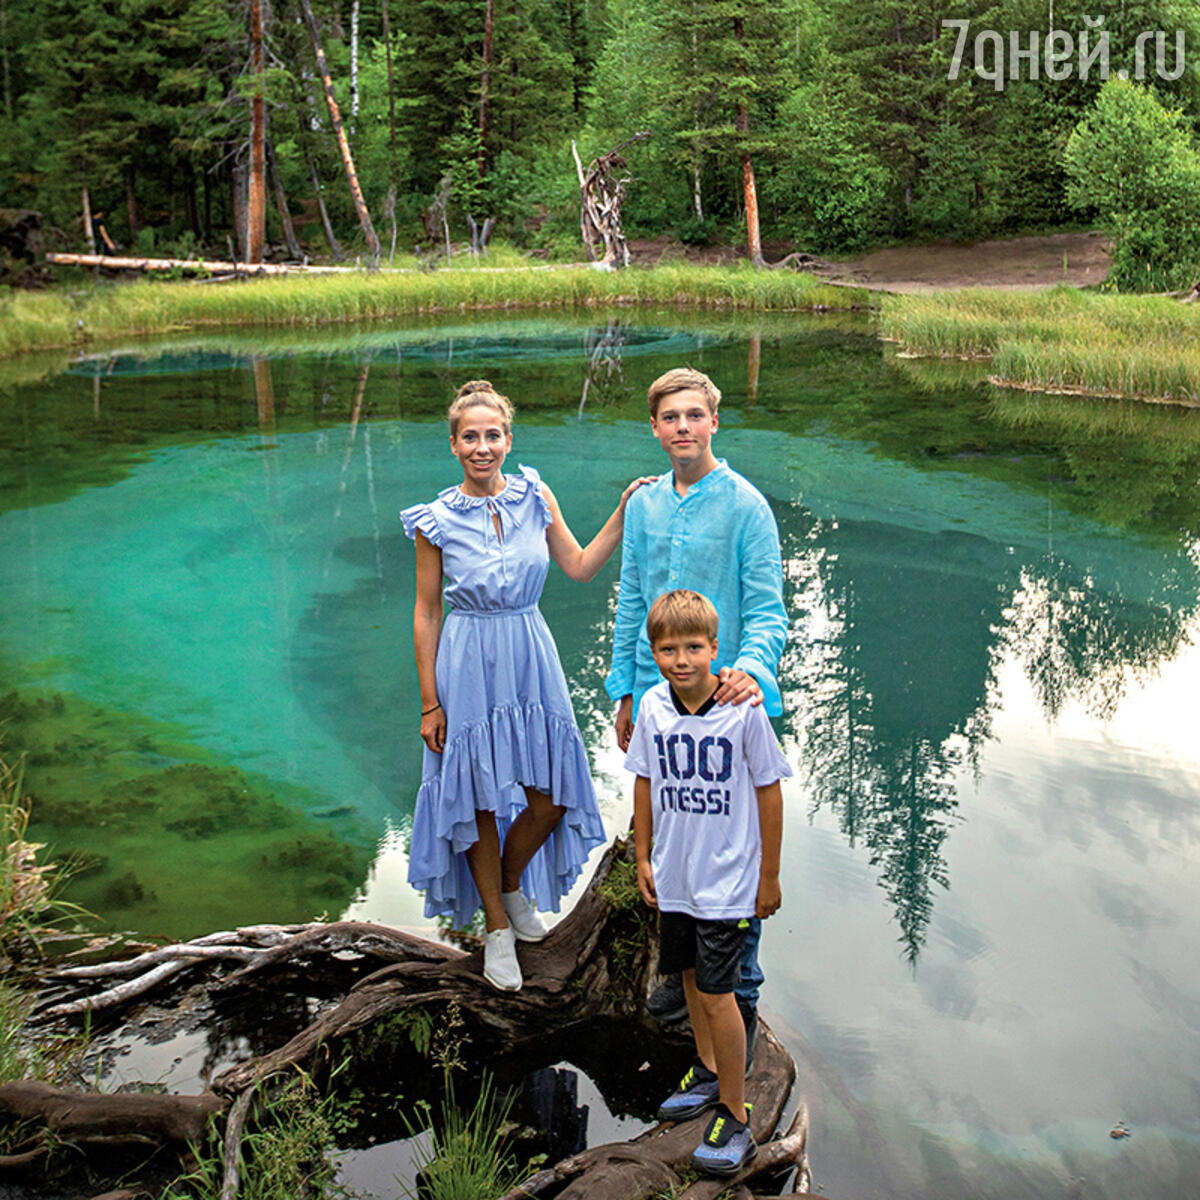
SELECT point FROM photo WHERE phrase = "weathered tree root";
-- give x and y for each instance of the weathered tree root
(596, 963)
(86, 1116)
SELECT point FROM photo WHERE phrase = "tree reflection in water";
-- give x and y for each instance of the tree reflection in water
(890, 677)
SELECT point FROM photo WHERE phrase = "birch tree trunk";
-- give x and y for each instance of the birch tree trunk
(387, 44)
(301, 107)
(354, 59)
(360, 205)
(88, 232)
(489, 20)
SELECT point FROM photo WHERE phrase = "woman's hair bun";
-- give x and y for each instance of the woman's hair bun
(476, 385)
(479, 393)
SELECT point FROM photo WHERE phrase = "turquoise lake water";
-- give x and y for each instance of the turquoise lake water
(986, 957)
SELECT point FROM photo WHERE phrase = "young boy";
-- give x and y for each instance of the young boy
(708, 819)
(703, 526)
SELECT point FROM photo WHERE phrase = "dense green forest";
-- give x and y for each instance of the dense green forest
(861, 123)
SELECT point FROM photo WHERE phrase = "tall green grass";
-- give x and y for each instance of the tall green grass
(32, 321)
(30, 907)
(1144, 347)
(285, 1155)
(466, 1156)
(25, 1054)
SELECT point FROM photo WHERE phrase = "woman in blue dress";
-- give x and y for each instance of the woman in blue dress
(506, 810)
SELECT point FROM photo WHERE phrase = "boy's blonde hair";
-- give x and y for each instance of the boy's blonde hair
(681, 612)
(479, 393)
(683, 379)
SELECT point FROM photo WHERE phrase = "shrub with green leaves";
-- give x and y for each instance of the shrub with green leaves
(1133, 162)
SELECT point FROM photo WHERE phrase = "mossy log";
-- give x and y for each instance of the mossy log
(596, 964)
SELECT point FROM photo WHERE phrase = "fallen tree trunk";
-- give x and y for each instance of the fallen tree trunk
(596, 965)
(116, 263)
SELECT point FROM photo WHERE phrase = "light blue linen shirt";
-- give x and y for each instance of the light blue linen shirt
(720, 539)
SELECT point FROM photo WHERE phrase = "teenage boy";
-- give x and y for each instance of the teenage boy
(703, 526)
(708, 819)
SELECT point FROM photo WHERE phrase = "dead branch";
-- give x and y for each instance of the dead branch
(233, 1144)
(119, 995)
(602, 191)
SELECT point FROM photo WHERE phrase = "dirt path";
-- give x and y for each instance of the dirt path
(1079, 259)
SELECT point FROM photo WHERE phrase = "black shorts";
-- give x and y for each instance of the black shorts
(714, 948)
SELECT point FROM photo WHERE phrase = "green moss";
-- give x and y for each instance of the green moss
(620, 889)
(175, 841)
(631, 919)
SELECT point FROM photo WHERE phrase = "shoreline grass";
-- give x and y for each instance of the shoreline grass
(61, 319)
(1061, 340)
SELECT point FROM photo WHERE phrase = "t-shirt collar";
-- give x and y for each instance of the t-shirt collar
(683, 710)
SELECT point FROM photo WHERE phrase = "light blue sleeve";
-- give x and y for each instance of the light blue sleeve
(631, 608)
(764, 756)
(764, 616)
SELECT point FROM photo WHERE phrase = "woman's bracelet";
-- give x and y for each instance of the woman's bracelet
(426, 711)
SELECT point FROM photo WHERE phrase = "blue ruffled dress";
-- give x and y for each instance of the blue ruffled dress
(509, 720)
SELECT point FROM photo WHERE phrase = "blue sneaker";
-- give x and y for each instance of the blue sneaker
(727, 1145)
(698, 1091)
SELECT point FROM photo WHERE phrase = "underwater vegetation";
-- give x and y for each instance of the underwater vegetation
(163, 836)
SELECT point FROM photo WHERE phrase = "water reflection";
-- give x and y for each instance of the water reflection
(891, 678)
(604, 374)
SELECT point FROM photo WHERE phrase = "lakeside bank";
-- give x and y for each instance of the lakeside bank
(1062, 340)
(61, 319)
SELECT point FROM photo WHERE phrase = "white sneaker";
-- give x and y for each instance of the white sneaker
(500, 966)
(526, 925)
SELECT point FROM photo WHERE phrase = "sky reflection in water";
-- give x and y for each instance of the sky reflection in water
(986, 956)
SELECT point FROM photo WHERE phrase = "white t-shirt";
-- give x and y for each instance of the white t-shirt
(703, 768)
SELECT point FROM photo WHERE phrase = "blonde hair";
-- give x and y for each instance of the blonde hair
(683, 379)
(479, 393)
(681, 612)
